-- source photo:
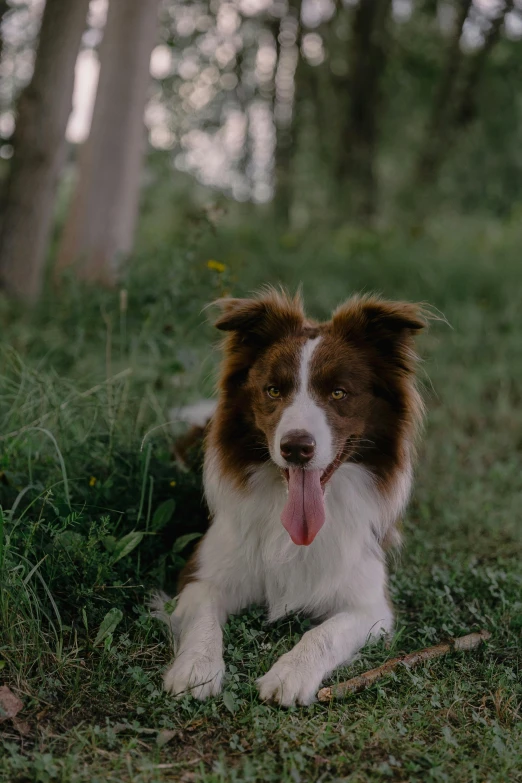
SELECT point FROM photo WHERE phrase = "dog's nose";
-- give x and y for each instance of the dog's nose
(297, 447)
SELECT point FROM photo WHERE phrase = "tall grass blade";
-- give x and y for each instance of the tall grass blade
(1, 541)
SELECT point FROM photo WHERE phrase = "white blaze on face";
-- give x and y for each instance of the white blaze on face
(305, 414)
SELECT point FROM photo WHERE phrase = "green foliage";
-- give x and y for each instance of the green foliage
(108, 625)
(95, 514)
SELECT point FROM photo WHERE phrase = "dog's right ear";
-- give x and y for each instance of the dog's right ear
(261, 319)
(239, 313)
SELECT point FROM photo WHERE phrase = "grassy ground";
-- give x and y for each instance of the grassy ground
(95, 514)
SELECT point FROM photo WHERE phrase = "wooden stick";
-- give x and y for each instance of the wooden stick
(363, 681)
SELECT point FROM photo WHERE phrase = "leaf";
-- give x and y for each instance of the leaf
(109, 623)
(181, 542)
(498, 743)
(448, 736)
(230, 701)
(170, 606)
(72, 542)
(10, 705)
(163, 514)
(22, 727)
(109, 542)
(165, 736)
(63, 510)
(125, 545)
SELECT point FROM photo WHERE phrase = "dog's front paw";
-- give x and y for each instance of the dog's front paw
(194, 673)
(288, 683)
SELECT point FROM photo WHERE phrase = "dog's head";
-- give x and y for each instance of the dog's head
(310, 396)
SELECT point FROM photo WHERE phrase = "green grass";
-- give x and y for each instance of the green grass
(95, 514)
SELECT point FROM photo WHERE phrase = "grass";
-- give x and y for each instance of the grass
(95, 514)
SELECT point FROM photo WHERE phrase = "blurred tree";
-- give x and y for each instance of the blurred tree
(286, 33)
(466, 104)
(39, 148)
(432, 150)
(356, 177)
(101, 221)
(4, 8)
(455, 104)
(324, 106)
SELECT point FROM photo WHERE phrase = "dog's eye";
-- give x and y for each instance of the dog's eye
(338, 394)
(273, 392)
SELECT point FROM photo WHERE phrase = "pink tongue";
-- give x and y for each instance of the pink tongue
(303, 515)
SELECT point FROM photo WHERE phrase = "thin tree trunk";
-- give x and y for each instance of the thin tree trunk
(356, 165)
(4, 8)
(466, 109)
(317, 79)
(282, 153)
(433, 148)
(328, 97)
(101, 222)
(39, 149)
(288, 63)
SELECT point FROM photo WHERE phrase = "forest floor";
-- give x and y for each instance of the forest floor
(95, 515)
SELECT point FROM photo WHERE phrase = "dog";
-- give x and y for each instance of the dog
(308, 468)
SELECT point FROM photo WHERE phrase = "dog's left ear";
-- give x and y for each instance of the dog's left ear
(262, 319)
(389, 326)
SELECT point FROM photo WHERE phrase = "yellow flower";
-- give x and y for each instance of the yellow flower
(172, 483)
(217, 266)
(92, 481)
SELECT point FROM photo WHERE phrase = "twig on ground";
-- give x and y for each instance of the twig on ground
(363, 681)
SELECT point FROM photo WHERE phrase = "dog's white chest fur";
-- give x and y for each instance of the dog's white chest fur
(248, 546)
(247, 557)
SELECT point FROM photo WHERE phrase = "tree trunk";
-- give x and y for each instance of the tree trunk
(433, 147)
(455, 104)
(39, 149)
(356, 165)
(466, 108)
(288, 63)
(101, 222)
(4, 8)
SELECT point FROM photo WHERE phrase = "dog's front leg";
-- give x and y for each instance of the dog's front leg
(198, 667)
(297, 675)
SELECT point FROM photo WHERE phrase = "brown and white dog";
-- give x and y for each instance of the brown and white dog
(308, 467)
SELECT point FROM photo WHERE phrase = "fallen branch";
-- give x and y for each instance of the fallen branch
(363, 681)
